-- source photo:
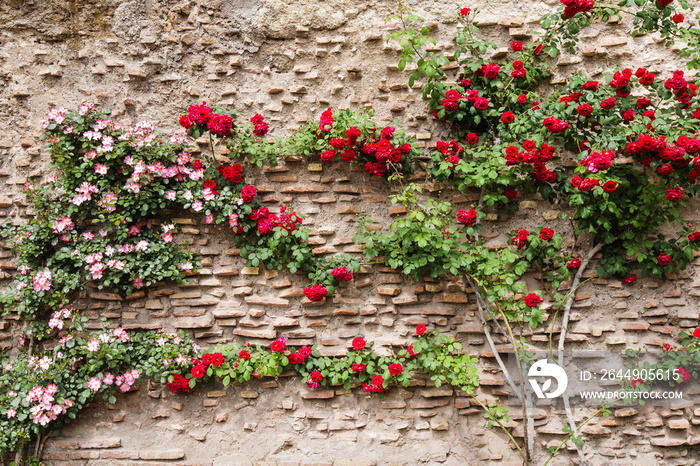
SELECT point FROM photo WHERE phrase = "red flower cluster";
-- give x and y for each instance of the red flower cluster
(260, 128)
(598, 161)
(326, 121)
(520, 240)
(220, 124)
(467, 217)
(215, 359)
(316, 376)
(451, 151)
(179, 384)
(267, 221)
(531, 155)
(629, 279)
(300, 356)
(342, 274)
(356, 367)
(683, 91)
(489, 71)
(233, 173)
(315, 292)
(196, 114)
(278, 345)
(694, 236)
(377, 385)
(199, 368)
(675, 194)
(532, 300)
(201, 115)
(577, 6)
(244, 355)
(519, 71)
(555, 125)
(586, 185)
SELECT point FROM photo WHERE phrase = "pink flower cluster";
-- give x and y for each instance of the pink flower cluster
(45, 410)
(42, 280)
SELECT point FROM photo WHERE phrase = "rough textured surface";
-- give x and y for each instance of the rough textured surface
(289, 60)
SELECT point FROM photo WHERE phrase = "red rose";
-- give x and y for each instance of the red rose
(464, 11)
(529, 144)
(358, 367)
(609, 186)
(185, 121)
(629, 115)
(520, 73)
(316, 376)
(248, 193)
(546, 234)
(467, 217)
(674, 195)
(342, 273)
(590, 86)
(696, 333)
(663, 259)
(647, 79)
(244, 355)
(347, 155)
(197, 164)
(629, 279)
(377, 380)
(574, 264)
(584, 110)
(217, 359)
(395, 368)
(637, 381)
(516, 46)
(315, 292)
(199, 114)
(608, 103)
(453, 95)
(198, 371)
(472, 138)
(278, 345)
(179, 384)
(358, 343)
(532, 300)
(664, 170)
(510, 194)
(667, 346)
(507, 117)
(695, 236)
(678, 18)
(220, 124)
(261, 129)
(210, 184)
(481, 103)
(522, 99)
(420, 329)
(576, 181)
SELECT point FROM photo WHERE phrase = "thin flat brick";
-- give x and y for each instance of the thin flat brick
(101, 443)
(267, 301)
(162, 455)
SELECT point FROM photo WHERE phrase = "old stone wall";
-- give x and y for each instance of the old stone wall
(289, 60)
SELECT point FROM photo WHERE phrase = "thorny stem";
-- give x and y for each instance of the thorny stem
(566, 439)
(551, 329)
(495, 419)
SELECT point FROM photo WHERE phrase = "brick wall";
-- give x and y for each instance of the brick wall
(289, 61)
